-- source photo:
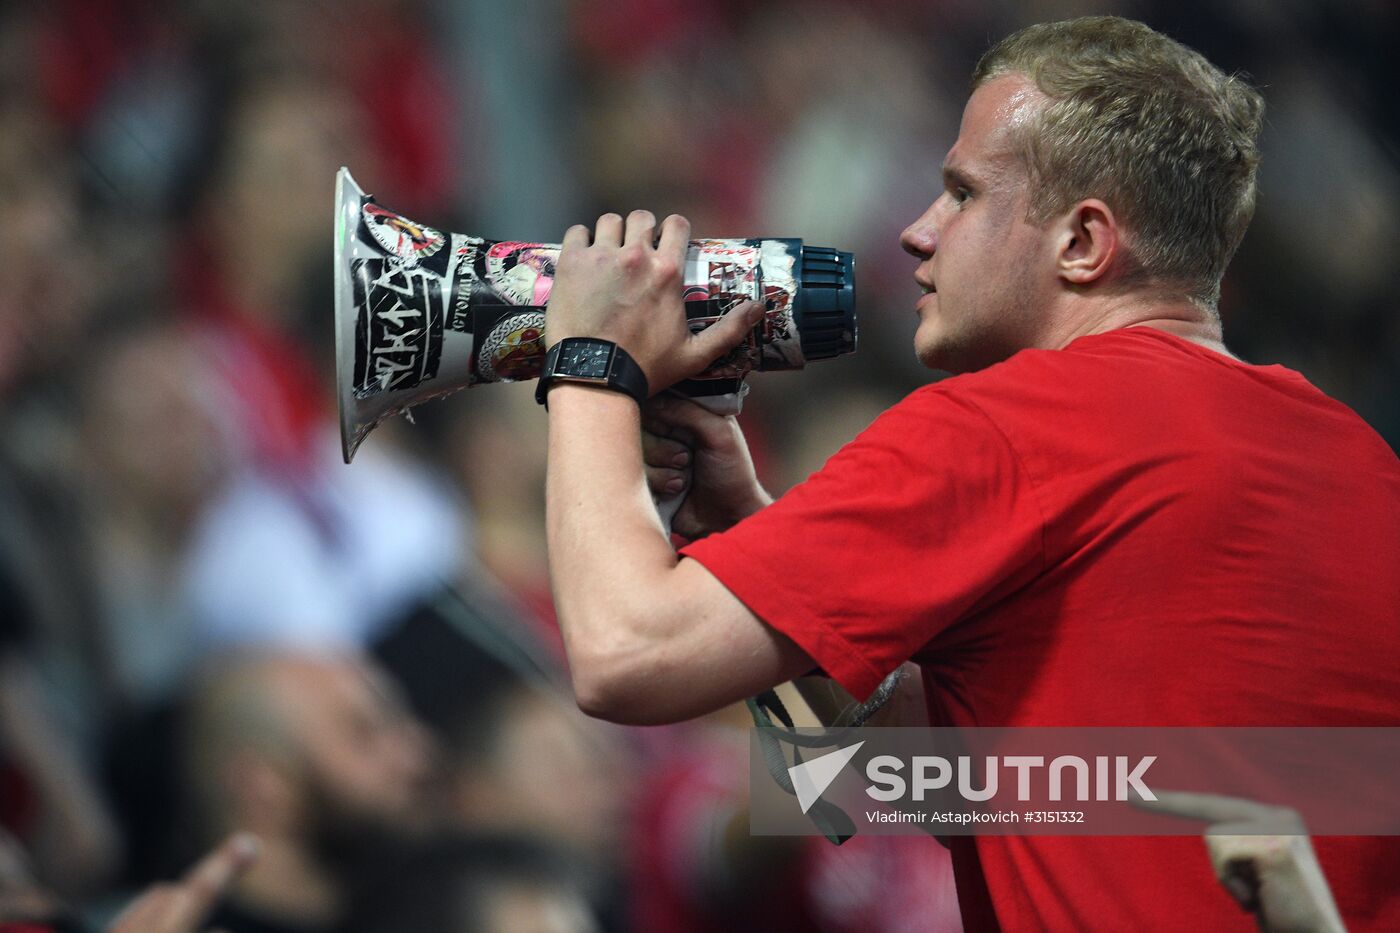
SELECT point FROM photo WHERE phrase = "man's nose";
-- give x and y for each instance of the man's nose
(920, 239)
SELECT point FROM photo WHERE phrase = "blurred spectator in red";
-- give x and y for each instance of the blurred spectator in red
(245, 259)
(82, 46)
(295, 549)
(387, 59)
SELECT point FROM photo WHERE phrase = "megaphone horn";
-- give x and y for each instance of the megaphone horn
(420, 313)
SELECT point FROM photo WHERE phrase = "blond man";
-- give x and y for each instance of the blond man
(1104, 518)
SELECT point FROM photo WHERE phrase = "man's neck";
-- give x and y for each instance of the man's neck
(1178, 317)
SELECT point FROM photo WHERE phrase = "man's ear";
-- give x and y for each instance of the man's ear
(1089, 243)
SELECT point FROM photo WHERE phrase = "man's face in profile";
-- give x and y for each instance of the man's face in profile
(984, 268)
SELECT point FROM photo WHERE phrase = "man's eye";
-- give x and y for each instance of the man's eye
(961, 194)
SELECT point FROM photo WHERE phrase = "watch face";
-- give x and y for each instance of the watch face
(586, 359)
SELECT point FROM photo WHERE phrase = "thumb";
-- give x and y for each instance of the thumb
(726, 333)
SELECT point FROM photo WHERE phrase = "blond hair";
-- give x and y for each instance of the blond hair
(1139, 120)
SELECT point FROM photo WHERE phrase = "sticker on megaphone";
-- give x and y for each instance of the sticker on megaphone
(421, 313)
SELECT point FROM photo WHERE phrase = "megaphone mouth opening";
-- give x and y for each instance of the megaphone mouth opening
(344, 313)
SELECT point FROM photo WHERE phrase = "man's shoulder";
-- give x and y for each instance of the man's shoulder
(1033, 378)
(1127, 372)
(1110, 354)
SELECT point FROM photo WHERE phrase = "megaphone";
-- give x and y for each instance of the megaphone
(420, 313)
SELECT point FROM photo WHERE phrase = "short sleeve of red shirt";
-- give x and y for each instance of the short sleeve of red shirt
(924, 518)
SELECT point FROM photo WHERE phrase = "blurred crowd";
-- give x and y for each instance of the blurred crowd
(209, 623)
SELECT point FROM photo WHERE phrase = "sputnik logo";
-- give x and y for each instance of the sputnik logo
(811, 778)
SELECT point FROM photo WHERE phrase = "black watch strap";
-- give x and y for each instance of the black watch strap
(591, 361)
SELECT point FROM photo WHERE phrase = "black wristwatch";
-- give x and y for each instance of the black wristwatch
(594, 362)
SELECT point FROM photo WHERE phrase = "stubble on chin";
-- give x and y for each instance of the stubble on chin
(941, 347)
(967, 350)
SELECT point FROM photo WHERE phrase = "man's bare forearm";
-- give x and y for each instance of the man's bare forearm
(650, 638)
(607, 549)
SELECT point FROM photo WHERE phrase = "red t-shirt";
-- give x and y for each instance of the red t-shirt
(1133, 530)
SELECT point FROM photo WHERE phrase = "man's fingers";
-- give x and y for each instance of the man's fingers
(576, 237)
(664, 452)
(675, 238)
(664, 481)
(659, 418)
(641, 228)
(608, 231)
(1213, 808)
(726, 333)
(665, 461)
(208, 881)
